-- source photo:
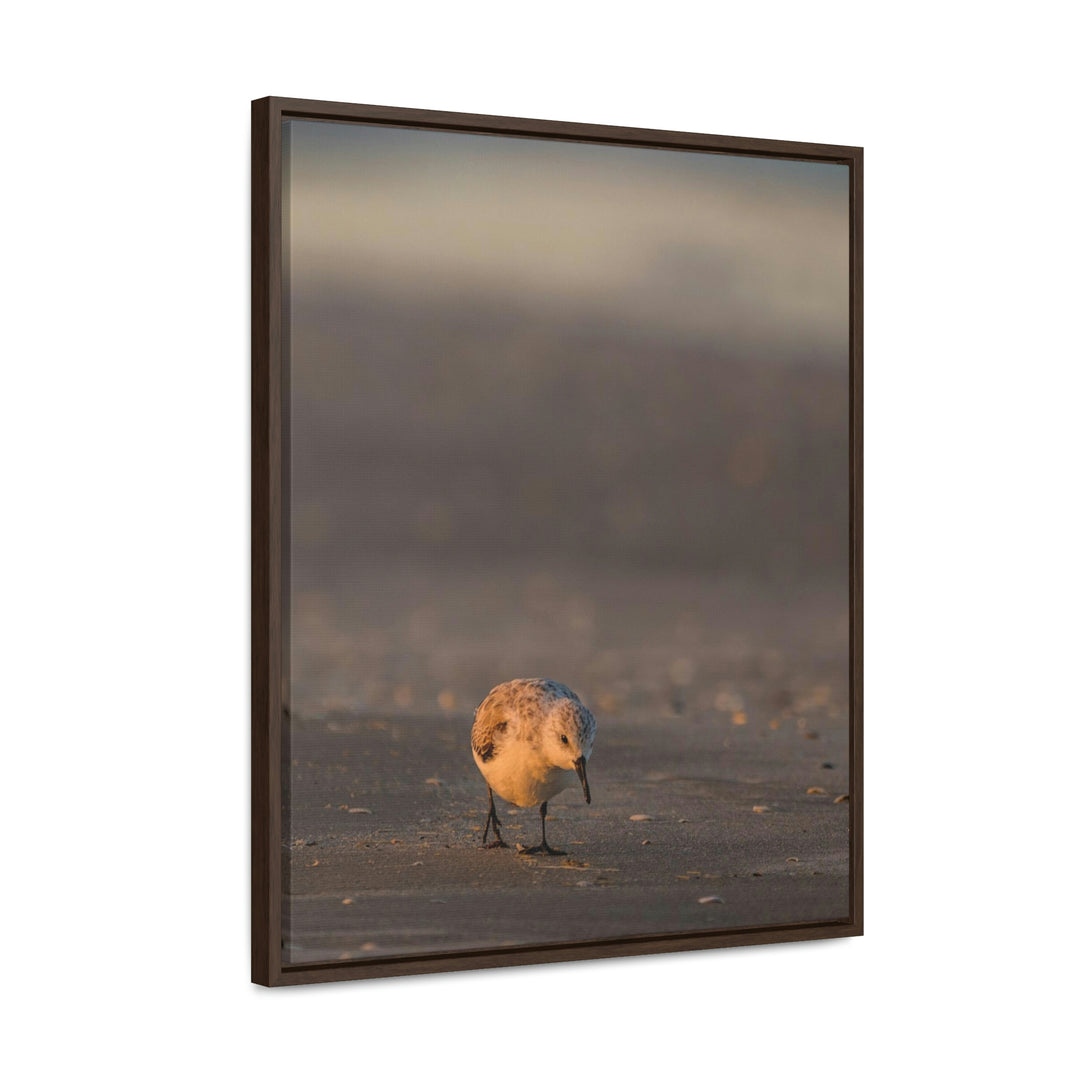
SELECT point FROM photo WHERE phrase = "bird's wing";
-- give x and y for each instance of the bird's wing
(489, 727)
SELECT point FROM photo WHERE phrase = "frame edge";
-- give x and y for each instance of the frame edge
(266, 522)
(856, 510)
(657, 138)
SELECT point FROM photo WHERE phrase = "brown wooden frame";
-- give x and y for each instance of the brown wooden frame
(269, 518)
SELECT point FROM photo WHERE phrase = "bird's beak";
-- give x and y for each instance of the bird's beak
(579, 768)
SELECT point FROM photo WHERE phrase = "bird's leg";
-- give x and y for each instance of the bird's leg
(542, 848)
(492, 822)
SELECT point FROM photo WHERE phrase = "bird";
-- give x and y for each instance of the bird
(530, 738)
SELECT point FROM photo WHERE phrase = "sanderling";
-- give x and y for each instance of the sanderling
(529, 738)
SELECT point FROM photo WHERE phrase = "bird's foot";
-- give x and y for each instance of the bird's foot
(541, 849)
(496, 843)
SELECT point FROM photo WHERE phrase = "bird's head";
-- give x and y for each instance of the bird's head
(569, 736)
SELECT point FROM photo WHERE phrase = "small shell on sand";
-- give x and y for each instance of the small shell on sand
(815, 791)
(761, 809)
(710, 900)
(842, 798)
(640, 817)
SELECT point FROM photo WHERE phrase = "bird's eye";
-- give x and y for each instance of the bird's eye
(565, 740)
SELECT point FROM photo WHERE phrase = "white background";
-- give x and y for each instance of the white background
(125, 543)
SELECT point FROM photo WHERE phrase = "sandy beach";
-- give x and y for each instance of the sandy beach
(721, 775)
(626, 471)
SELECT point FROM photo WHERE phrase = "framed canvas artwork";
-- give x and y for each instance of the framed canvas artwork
(556, 541)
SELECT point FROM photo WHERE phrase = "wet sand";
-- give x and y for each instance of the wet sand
(383, 839)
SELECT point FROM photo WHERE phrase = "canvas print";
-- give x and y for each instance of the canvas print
(567, 651)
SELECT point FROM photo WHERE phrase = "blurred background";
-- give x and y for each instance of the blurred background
(568, 410)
